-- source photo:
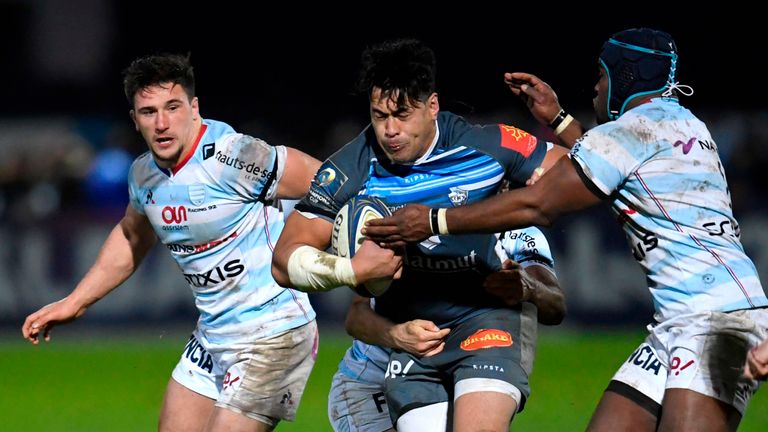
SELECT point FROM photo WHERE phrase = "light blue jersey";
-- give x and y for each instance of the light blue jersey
(659, 165)
(368, 363)
(217, 214)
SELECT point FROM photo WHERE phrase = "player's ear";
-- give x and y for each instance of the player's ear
(195, 104)
(132, 113)
(433, 104)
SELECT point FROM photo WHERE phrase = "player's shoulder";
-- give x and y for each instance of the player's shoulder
(142, 167)
(502, 141)
(360, 148)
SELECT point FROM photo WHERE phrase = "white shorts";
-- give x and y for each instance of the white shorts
(703, 352)
(262, 379)
(357, 406)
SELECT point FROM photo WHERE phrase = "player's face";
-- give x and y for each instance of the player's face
(168, 120)
(404, 133)
(601, 97)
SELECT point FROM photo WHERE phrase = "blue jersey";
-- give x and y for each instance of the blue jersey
(368, 363)
(659, 165)
(217, 214)
(442, 276)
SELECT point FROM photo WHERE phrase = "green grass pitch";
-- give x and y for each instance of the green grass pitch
(115, 383)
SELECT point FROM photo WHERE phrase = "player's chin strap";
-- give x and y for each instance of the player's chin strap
(311, 270)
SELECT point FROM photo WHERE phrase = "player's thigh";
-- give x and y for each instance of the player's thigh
(413, 382)
(429, 418)
(483, 411)
(624, 412)
(357, 406)
(694, 411)
(183, 409)
(265, 380)
(491, 353)
(227, 420)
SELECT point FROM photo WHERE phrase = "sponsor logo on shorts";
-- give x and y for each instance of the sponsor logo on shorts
(645, 358)
(198, 355)
(395, 369)
(380, 401)
(487, 338)
(229, 381)
(678, 366)
(517, 140)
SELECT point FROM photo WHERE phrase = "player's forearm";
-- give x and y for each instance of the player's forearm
(547, 295)
(570, 134)
(509, 210)
(365, 324)
(119, 257)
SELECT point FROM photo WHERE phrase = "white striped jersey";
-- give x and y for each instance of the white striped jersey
(217, 214)
(368, 363)
(659, 165)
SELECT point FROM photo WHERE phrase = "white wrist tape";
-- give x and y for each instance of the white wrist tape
(442, 222)
(312, 270)
(564, 124)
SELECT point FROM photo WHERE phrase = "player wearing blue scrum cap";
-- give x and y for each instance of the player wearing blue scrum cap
(658, 166)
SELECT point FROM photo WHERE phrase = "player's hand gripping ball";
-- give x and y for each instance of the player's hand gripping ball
(346, 238)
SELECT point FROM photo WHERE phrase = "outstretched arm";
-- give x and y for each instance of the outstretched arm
(560, 191)
(544, 106)
(535, 284)
(124, 249)
(420, 337)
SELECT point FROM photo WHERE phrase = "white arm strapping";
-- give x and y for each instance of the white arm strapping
(311, 270)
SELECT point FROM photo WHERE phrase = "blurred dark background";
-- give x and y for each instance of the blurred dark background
(287, 76)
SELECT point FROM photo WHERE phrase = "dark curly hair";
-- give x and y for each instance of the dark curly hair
(404, 70)
(158, 69)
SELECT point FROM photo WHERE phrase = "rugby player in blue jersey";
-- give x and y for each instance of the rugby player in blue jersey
(658, 166)
(211, 196)
(357, 402)
(413, 152)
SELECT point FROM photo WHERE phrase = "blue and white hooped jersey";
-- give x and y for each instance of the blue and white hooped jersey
(368, 363)
(659, 165)
(217, 215)
(442, 276)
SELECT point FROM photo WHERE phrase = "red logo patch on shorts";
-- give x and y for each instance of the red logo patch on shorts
(487, 338)
(517, 140)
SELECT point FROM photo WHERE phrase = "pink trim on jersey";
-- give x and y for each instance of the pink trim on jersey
(266, 228)
(186, 159)
(272, 249)
(696, 240)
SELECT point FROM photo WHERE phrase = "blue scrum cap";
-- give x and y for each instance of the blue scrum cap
(638, 61)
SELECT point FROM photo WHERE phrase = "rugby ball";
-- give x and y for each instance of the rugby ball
(347, 238)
